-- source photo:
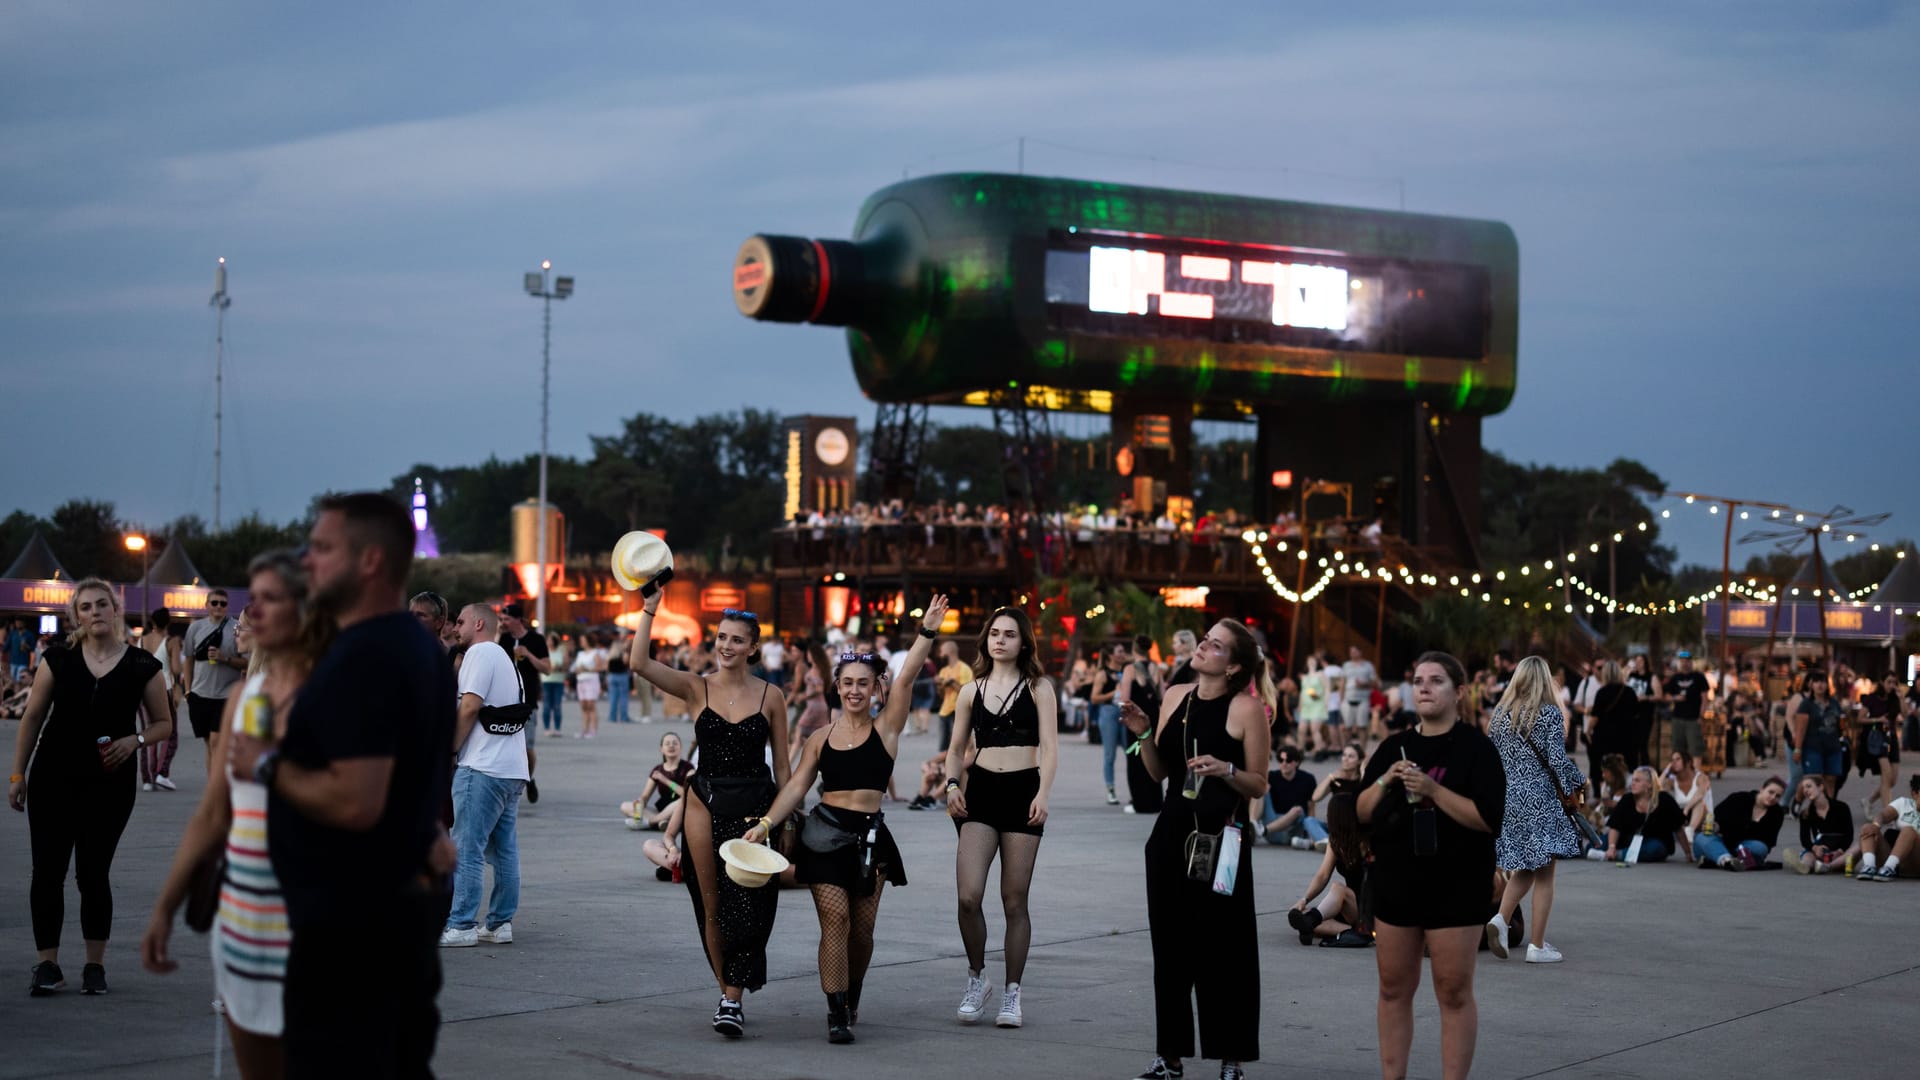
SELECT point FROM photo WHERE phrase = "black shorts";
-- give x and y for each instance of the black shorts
(1001, 800)
(1865, 760)
(204, 714)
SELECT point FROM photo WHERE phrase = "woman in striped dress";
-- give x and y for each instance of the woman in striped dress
(250, 933)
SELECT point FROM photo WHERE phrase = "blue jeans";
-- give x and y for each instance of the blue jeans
(1112, 736)
(1713, 848)
(617, 698)
(552, 696)
(1651, 850)
(485, 809)
(1312, 828)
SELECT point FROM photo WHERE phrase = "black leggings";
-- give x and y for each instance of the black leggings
(76, 821)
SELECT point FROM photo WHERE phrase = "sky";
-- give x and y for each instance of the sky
(1715, 206)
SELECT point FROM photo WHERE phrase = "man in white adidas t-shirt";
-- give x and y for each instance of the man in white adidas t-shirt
(487, 780)
(1893, 849)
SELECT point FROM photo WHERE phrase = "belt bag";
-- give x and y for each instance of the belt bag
(824, 833)
(1876, 740)
(734, 796)
(505, 719)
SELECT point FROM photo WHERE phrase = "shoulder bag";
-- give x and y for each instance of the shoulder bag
(203, 889)
(1570, 805)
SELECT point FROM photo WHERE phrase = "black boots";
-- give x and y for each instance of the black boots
(838, 1030)
(853, 1004)
(1305, 922)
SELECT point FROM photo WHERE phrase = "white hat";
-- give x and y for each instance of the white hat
(638, 558)
(752, 865)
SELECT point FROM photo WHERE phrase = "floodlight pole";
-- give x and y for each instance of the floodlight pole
(219, 303)
(547, 296)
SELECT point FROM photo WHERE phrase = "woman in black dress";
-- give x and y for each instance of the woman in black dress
(1611, 719)
(82, 781)
(1211, 746)
(1434, 799)
(731, 791)
(846, 855)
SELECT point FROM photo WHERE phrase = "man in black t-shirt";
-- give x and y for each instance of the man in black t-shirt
(1686, 689)
(353, 809)
(1286, 816)
(529, 652)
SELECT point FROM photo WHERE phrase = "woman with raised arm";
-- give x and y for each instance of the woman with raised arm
(1435, 797)
(739, 718)
(1210, 744)
(1009, 713)
(79, 791)
(846, 856)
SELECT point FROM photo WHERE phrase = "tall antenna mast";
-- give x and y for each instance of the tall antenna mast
(220, 303)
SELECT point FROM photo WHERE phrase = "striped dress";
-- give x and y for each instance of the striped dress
(250, 936)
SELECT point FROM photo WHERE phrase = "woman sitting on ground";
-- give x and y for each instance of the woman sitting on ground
(664, 851)
(1650, 814)
(1345, 780)
(1746, 826)
(1691, 788)
(1827, 836)
(1342, 916)
(665, 784)
(1613, 784)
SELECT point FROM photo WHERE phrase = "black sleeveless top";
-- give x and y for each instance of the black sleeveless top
(1016, 724)
(866, 767)
(732, 749)
(86, 708)
(1199, 726)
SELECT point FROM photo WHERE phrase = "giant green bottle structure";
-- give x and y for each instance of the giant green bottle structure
(964, 288)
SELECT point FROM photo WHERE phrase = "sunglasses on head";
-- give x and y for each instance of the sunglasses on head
(736, 613)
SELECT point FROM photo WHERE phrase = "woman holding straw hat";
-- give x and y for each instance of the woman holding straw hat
(846, 856)
(1210, 743)
(739, 718)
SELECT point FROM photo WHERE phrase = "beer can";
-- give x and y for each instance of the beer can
(256, 716)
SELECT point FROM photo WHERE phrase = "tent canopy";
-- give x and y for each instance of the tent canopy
(1814, 574)
(37, 562)
(1902, 585)
(172, 568)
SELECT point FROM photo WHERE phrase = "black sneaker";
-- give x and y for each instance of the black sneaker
(1160, 1070)
(730, 1019)
(93, 979)
(533, 791)
(46, 979)
(1232, 1072)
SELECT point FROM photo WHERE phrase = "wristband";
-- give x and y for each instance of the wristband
(1380, 783)
(1229, 770)
(141, 737)
(929, 634)
(264, 769)
(952, 782)
(16, 778)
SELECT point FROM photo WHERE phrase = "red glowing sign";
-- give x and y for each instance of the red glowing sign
(721, 597)
(1283, 478)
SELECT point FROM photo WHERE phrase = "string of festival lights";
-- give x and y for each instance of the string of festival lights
(1539, 571)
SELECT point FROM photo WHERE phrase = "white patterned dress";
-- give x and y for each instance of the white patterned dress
(1535, 829)
(250, 935)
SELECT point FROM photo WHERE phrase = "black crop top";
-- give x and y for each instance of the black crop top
(1016, 724)
(866, 767)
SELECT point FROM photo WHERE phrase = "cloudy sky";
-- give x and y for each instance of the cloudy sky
(1716, 213)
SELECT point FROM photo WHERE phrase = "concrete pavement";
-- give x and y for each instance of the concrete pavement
(1670, 971)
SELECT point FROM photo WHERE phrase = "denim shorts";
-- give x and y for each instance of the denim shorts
(1823, 762)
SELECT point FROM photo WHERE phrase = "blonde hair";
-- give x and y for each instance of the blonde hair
(1610, 673)
(93, 584)
(1530, 696)
(1653, 786)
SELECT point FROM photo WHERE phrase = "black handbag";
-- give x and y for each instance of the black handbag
(1588, 836)
(203, 890)
(822, 835)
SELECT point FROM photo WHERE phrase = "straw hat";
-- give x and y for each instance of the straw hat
(751, 865)
(638, 558)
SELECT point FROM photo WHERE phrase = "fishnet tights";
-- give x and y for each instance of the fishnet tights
(846, 933)
(978, 845)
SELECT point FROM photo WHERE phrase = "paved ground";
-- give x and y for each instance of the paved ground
(1670, 971)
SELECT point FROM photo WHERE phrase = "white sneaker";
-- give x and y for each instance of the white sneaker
(973, 1005)
(1009, 1008)
(164, 783)
(1497, 938)
(1543, 954)
(499, 935)
(146, 787)
(460, 939)
(1301, 843)
(1128, 809)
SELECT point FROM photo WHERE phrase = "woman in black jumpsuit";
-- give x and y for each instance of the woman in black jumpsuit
(80, 790)
(1204, 943)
